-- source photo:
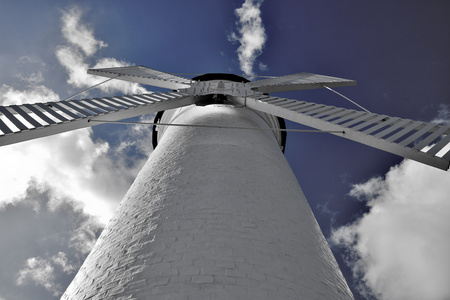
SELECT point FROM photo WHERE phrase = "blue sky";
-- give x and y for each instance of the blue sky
(387, 219)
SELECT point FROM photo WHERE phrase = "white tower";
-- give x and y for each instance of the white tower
(216, 213)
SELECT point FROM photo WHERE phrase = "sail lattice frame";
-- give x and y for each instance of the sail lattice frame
(424, 142)
(24, 122)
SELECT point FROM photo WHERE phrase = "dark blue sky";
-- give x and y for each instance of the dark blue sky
(397, 51)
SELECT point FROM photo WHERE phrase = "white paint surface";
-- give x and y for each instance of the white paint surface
(214, 214)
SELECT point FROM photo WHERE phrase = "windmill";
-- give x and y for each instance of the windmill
(216, 212)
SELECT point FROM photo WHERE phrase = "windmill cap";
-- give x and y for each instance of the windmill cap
(220, 76)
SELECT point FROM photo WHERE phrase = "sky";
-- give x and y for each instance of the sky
(387, 219)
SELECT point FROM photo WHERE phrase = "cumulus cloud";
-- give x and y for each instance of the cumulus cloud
(33, 94)
(71, 164)
(39, 257)
(40, 272)
(399, 249)
(251, 35)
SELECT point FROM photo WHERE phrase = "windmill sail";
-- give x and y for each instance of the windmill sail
(24, 122)
(300, 81)
(144, 75)
(424, 142)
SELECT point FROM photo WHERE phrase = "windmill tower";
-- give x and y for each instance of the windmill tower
(216, 212)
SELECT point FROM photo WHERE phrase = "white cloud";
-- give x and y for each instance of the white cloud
(45, 240)
(78, 33)
(443, 116)
(400, 247)
(75, 56)
(83, 238)
(35, 93)
(251, 37)
(39, 271)
(73, 61)
(29, 70)
(33, 78)
(76, 66)
(28, 60)
(263, 67)
(72, 165)
(61, 260)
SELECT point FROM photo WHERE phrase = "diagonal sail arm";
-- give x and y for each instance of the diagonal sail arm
(144, 75)
(424, 142)
(24, 122)
(296, 82)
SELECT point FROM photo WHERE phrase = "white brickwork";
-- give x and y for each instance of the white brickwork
(214, 214)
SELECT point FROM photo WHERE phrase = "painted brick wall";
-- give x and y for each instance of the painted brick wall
(214, 214)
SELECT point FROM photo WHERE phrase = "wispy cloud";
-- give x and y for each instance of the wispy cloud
(397, 249)
(30, 71)
(78, 33)
(61, 260)
(443, 116)
(251, 35)
(77, 55)
(33, 78)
